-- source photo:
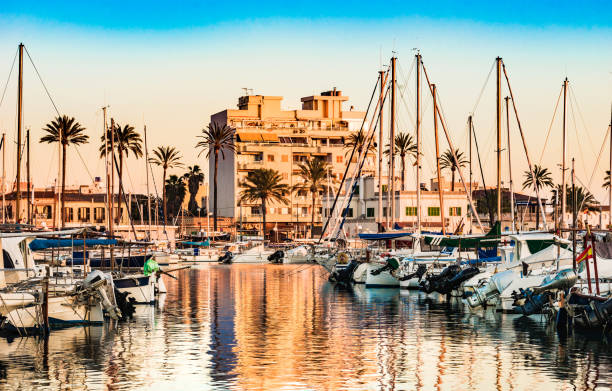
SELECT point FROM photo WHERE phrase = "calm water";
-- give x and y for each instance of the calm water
(279, 327)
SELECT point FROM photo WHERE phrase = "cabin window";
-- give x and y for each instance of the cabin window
(411, 211)
(8, 261)
(433, 211)
(454, 211)
(370, 212)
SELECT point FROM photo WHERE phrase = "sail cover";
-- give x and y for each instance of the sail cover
(491, 239)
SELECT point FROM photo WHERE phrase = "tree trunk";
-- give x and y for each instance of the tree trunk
(453, 180)
(215, 191)
(164, 198)
(62, 211)
(263, 211)
(313, 214)
(404, 173)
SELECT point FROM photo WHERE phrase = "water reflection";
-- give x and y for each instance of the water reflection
(273, 326)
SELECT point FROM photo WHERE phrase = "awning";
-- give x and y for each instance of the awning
(249, 137)
(42, 244)
(270, 137)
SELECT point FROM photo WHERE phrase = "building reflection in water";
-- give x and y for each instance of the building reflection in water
(267, 327)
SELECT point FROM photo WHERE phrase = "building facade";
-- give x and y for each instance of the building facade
(269, 137)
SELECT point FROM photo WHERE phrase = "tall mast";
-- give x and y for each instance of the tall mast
(29, 201)
(435, 118)
(108, 190)
(574, 222)
(3, 178)
(610, 168)
(418, 141)
(380, 149)
(512, 225)
(147, 170)
(112, 172)
(392, 141)
(564, 154)
(470, 152)
(498, 124)
(19, 125)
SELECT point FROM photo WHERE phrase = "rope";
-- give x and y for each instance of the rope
(41, 80)
(9, 78)
(483, 88)
(552, 120)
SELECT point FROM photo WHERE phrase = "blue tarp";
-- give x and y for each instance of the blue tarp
(385, 236)
(41, 244)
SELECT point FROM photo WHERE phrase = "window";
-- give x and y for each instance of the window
(339, 159)
(285, 175)
(255, 210)
(411, 211)
(83, 215)
(47, 212)
(69, 214)
(258, 157)
(270, 158)
(271, 210)
(304, 210)
(356, 191)
(384, 188)
(433, 211)
(349, 212)
(284, 158)
(370, 212)
(99, 214)
(454, 211)
(285, 211)
(384, 210)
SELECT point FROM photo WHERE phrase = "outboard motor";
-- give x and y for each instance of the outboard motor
(391, 266)
(101, 284)
(439, 282)
(276, 256)
(344, 276)
(462, 276)
(492, 289)
(596, 314)
(419, 273)
(533, 300)
(226, 258)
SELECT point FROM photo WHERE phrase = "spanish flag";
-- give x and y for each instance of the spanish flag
(586, 254)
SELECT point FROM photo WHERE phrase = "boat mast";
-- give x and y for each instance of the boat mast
(440, 191)
(573, 219)
(147, 171)
(112, 173)
(28, 203)
(470, 153)
(108, 189)
(19, 125)
(418, 141)
(610, 168)
(380, 151)
(563, 195)
(498, 125)
(512, 224)
(3, 179)
(392, 141)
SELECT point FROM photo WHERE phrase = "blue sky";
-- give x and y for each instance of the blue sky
(171, 66)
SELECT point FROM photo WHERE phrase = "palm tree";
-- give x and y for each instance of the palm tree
(66, 131)
(264, 184)
(358, 139)
(166, 157)
(404, 145)
(126, 139)
(541, 178)
(194, 177)
(216, 138)
(447, 161)
(314, 174)
(606, 183)
(174, 188)
(585, 201)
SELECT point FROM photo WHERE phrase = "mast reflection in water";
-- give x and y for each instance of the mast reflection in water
(272, 326)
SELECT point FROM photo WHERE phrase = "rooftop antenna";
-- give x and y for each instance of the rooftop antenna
(247, 90)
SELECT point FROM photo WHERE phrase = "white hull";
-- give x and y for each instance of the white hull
(139, 287)
(10, 301)
(62, 312)
(382, 280)
(252, 258)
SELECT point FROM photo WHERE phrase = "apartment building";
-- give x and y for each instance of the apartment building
(269, 137)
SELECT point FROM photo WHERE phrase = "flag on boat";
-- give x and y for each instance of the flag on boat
(586, 254)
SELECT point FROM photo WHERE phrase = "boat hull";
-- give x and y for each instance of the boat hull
(140, 288)
(381, 280)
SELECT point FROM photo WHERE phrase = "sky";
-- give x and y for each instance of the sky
(171, 66)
